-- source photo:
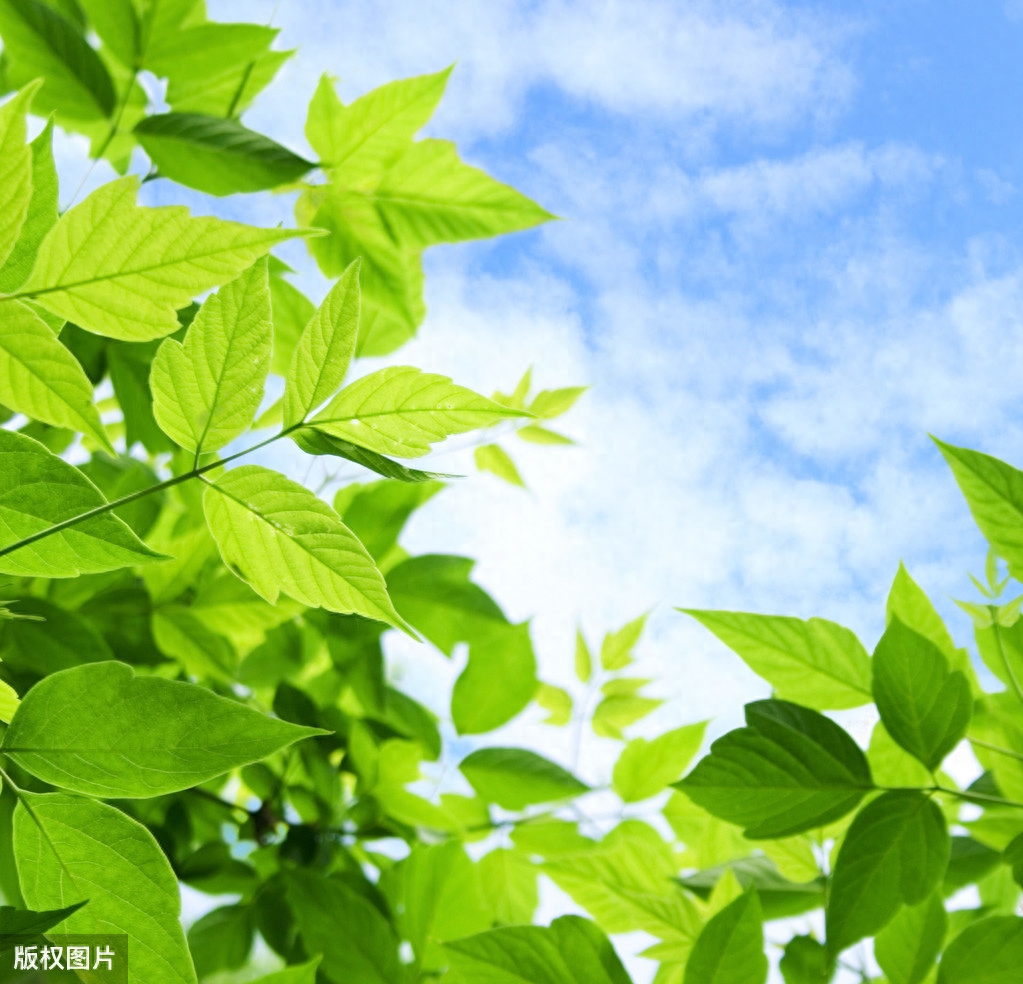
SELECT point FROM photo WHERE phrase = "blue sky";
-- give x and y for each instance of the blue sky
(791, 248)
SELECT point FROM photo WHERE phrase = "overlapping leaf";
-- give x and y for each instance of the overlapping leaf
(15, 168)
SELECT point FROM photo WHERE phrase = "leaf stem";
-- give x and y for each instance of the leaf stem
(977, 797)
(140, 494)
(1008, 753)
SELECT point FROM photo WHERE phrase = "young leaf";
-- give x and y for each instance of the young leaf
(356, 941)
(494, 459)
(570, 951)
(925, 706)
(401, 411)
(117, 25)
(39, 490)
(509, 882)
(217, 156)
(514, 778)
(135, 736)
(207, 390)
(541, 435)
(42, 213)
(616, 649)
(363, 139)
(548, 404)
(646, 768)
(429, 196)
(325, 349)
(316, 442)
(71, 849)
(908, 946)
(123, 271)
(40, 43)
(730, 949)
(505, 654)
(40, 378)
(818, 663)
(805, 962)
(994, 493)
(281, 537)
(789, 770)
(895, 853)
(988, 952)
(583, 659)
(558, 702)
(15, 168)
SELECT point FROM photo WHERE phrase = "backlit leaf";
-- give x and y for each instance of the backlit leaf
(646, 768)
(15, 167)
(730, 949)
(789, 770)
(207, 390)
(39, 490)
(494, 459)
(988, 952)
(136, 736)
(282, 538)
(908, 946)
(123, 271)
(401, 411)
(515, 778)
(71, 849)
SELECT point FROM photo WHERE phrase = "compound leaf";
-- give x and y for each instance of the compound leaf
(70, 849)
(282, 538)
(39, 490)
(217, 156)
(121, 270)
(401, 411)
(207, 390)
(818, 663)
(895, 853)
(132, 736)
(789, 770)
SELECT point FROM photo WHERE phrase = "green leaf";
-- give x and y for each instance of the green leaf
(71, 849)
(818, 663)
(377, 513)
(61, 639)
(908, 946)
(39, 490)
(548, 404)
(505, 654)
(805, 962)
(925, 706)
(779, 897)
(994, 493)
(291, 313)
(221, 939)
(429, 196)
(40, 378)
(618, 711)
(24, 922)
(494, 459)
(515, 778)
(40, 43)
(646, 768)
(281, 538)
(316, 442)
(510, 885)
(117, 24)
(616, 649)
(123, 271)
(363, 139)
(730, 949)
(324, 350)
(217, 156)
(42, 213)
(15, 168)
(789, 770)
(178, 633)
(207, 390)
(558, 702)
(136, 736)
(401, 411)
(297, 974)
(570, 951)
(895, 853)
(583, 659)
(988, 952)
(355, 940)
(541, 435)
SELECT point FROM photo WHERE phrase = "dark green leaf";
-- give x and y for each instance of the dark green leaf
(730, 948)
(924, 705)
(221, 939)
(789, 770)
(61, 640)
(217, 156)
(805, 962)
(895, 853)
(24, 922)
(515, 778)
(908, 946)
(316, 442)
